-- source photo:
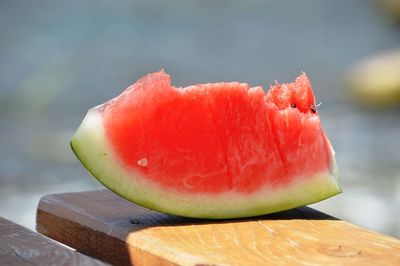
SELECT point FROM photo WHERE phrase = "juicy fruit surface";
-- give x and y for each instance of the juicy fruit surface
(213, 138)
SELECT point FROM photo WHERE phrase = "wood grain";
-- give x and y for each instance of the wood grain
(102, 225)
(20, 246)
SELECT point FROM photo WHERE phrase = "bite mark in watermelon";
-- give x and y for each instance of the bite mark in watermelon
(217, 150)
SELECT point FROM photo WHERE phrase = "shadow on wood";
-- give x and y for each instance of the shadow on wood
(105, 226)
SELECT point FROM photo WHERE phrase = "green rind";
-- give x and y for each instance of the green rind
(91, 147)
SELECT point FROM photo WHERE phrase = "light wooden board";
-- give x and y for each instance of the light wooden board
(102, 225)
(21, 246)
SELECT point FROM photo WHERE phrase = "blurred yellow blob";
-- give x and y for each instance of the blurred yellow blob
(391, 8)
(375, 81)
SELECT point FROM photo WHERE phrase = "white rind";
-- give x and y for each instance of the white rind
(92, 148)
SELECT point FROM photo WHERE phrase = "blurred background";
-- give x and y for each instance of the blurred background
(59, 58)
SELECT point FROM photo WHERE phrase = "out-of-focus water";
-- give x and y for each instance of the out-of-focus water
(57, 59)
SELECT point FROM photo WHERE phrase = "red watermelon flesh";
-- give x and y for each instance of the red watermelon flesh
(187, 150)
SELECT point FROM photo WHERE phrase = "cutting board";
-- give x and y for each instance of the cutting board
(105, 226)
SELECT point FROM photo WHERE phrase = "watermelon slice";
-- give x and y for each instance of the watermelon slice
(217, 150)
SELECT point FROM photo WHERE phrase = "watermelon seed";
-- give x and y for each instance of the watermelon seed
(294, 105)
(313, 109)
(142, 162)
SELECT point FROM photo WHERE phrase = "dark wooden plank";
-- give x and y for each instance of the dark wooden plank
(21, 246)
(103, 225)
